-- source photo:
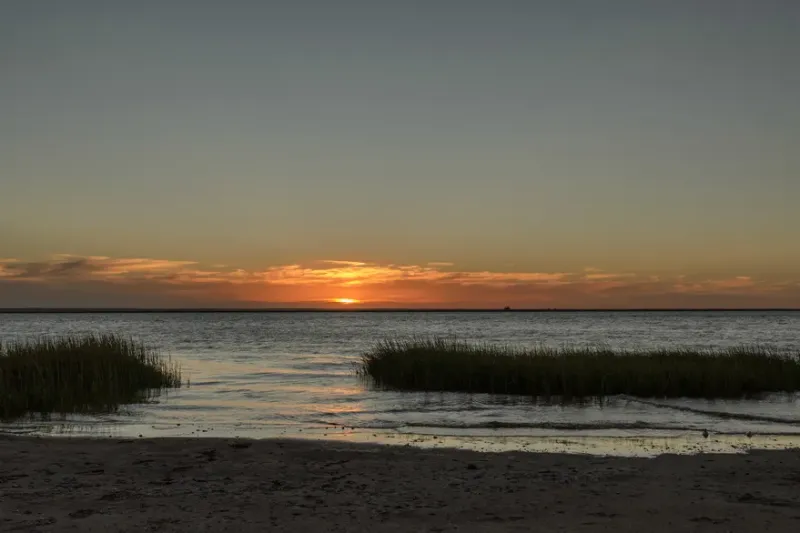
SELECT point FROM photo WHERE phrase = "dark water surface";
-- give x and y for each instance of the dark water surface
(292, 374)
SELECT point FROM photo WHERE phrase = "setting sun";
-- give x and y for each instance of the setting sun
(346, 301)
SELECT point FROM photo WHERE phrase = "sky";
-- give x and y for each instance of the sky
(542, 154)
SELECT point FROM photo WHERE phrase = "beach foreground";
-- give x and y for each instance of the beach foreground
(76, 484)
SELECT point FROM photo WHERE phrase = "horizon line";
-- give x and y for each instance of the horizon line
(144, 310)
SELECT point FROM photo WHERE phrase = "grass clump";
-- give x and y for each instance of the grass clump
(80, 374)
(578, 373)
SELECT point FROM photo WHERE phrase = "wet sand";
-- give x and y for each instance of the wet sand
(76, 484)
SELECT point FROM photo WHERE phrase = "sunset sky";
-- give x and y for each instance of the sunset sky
(564, 153)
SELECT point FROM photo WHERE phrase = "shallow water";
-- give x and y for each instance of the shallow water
(292, 375)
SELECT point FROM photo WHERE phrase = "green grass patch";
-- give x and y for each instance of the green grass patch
(80, 374)
(450, 365)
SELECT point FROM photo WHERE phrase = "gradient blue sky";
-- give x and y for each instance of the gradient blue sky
(648, 140)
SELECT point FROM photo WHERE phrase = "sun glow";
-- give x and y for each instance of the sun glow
(346, 301)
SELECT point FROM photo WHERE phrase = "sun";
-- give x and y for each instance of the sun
(346, 301)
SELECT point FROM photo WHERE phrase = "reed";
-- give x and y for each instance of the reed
(575, 373)
(80, 374)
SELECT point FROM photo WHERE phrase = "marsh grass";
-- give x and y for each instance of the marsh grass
(80, 374)
(578, 373)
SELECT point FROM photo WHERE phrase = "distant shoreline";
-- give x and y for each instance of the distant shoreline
(120, 310)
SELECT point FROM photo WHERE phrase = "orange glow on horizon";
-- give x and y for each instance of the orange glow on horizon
(346, 301)
(173, 283)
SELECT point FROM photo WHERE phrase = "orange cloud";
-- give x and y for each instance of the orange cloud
(432, 284)
(718, 285)
(607, 276)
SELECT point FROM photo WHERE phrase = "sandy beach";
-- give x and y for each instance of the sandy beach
(76, 484)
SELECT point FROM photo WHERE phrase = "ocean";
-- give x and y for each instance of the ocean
(293, 375)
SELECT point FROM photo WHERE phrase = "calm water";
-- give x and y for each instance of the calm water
(276, 374)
